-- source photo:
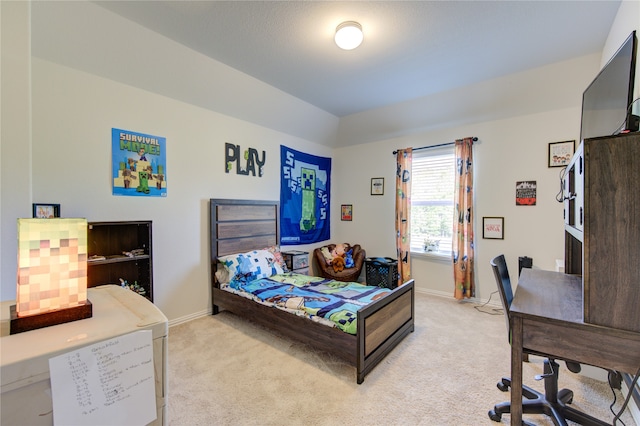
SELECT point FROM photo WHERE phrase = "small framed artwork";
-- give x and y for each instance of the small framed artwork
(377, 186)
(560, 153)
(346, 212)
(493, 228)
(46, 211)
(526, 193)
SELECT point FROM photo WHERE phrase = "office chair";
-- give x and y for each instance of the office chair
(553, 402)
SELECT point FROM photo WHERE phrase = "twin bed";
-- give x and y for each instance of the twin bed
(361, 325)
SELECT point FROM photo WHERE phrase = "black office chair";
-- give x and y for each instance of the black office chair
(552, 402)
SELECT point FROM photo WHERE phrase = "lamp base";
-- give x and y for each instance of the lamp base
(61, 316)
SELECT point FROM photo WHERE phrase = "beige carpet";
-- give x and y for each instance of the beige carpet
(226, 371)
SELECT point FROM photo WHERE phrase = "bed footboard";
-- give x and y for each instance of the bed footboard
(382, 325)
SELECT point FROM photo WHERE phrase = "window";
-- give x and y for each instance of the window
(432, 207)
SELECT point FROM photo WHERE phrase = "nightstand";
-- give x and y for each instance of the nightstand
(297, 261)
(24, 361)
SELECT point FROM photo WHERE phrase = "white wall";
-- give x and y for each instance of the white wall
(522, 114)
(72, 157)
(15, 139)
(87, 37)
(508, 150)
(74, 110)
(523, 93)
(627, 19)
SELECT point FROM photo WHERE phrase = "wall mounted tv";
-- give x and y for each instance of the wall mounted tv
(606, 102)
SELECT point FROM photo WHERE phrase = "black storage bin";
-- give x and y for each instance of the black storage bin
(381, 272)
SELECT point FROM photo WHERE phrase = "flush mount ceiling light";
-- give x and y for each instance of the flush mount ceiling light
(349, 35)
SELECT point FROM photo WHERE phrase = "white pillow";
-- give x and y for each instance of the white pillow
(275, 250)
(222, 275)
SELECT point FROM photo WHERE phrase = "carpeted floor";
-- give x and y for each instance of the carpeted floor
(224, 370)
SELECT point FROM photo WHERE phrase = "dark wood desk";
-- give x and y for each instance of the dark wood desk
(547, 317)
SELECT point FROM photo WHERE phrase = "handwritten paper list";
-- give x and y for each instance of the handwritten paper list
(107, 383)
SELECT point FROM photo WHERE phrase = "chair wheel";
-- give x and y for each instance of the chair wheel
(496, 417)
(502, 386)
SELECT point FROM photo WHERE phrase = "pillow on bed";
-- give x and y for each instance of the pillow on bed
(275, 250)
(222, 275)
(251, 265)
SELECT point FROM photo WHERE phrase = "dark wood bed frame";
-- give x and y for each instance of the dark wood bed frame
(238, 226)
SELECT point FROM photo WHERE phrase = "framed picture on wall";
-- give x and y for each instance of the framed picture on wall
(346, 212)
(526, 193)
(560, 153)
(493, 228)
(377, 186)
(46, 211)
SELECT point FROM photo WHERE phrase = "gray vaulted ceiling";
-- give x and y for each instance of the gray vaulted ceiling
(410, 49)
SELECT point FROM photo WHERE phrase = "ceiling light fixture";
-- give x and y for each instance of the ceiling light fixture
(349, 35)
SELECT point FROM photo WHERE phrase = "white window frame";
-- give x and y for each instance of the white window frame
(417, 245)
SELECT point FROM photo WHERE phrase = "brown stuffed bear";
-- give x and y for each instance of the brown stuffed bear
(338, 264)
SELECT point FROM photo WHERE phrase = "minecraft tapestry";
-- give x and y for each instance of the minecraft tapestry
(305, 185)
(139, 164)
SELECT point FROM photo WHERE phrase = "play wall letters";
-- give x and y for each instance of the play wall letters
(249, 160)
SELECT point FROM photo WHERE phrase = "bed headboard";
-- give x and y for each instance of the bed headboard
(238, 226)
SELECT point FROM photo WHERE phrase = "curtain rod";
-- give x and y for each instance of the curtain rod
(435, 146)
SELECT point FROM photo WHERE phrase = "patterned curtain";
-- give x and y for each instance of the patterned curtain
(463, 244)
(403, 213)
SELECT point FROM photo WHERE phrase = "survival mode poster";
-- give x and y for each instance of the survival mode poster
(139, 166)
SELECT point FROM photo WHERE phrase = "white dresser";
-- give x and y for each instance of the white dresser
(24, 358)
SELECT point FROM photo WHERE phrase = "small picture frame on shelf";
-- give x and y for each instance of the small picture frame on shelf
(493, 228)
(377, 186)
(46, 211)
(346, 212)
(560, 153)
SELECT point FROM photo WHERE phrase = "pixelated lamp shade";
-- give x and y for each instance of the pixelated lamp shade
(52, 273)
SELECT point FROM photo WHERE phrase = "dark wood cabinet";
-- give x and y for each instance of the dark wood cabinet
(602, 228)
(121, 252)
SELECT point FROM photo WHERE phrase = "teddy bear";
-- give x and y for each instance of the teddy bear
(348, 259)
(338, 264)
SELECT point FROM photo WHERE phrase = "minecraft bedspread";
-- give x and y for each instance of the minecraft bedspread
(312, 297)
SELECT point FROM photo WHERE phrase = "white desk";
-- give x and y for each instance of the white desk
(24, 358)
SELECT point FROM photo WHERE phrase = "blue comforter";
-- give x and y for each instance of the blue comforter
(313, 296)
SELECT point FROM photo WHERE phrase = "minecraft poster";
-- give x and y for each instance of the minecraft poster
(305, 187)
(139, 166)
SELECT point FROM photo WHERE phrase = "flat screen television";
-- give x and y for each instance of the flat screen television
(606, 103)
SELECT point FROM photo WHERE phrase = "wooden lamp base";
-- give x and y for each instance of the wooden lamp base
(61, 316)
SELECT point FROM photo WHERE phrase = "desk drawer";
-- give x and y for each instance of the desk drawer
(599, 346)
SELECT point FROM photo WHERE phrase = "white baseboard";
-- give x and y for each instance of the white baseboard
(594, 372)
(433, 292)
(492, 301)
(189, 317)
(446, 295)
